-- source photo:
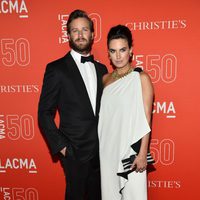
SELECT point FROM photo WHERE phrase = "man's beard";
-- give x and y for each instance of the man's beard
(86, 48)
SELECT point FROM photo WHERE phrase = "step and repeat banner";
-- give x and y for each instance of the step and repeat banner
(166, 45)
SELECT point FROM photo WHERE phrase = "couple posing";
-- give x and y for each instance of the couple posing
(117, 130)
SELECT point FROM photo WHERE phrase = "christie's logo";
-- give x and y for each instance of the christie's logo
(166, 108)
(63, 21)
(18, 164)
(16, 127)
(8, 193)
(14, 6)
(19, 89)
(157, 25)
(169, 184)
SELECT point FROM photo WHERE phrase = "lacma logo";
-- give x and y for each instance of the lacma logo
(2, 127)
(17, 127)
(95, 17)
(18, 164)
(166, 108)
(14, 6)
(11, 193)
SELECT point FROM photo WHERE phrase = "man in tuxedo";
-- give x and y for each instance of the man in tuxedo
(72, 86)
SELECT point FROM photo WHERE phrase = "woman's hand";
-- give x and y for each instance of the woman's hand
(140, 163)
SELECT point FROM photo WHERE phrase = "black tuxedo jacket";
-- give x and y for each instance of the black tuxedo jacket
(64, 90)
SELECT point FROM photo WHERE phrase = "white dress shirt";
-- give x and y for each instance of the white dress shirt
(88, 73)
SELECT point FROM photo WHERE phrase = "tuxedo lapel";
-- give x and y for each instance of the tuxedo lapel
(99, 88)
(78, 82)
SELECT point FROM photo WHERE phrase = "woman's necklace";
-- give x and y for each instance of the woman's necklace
(116, 75)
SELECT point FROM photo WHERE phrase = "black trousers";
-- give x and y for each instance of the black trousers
(82, 179)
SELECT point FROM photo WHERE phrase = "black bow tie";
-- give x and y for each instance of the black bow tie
(87, 59)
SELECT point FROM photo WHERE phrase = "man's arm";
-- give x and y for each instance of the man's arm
(47, 109)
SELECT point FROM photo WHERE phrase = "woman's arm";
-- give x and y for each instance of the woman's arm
(147, 92)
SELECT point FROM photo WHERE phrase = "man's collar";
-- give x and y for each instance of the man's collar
(77, 55)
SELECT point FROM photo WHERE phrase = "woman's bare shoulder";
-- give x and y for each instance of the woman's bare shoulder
(145, 77)
(146, 81)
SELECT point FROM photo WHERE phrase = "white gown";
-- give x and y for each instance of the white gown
(122, 122)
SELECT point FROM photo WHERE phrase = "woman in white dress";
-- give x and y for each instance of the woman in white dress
(124, 123)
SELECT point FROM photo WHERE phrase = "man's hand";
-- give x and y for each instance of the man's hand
(63, 151)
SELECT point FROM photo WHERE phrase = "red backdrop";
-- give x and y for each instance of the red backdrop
(166, 44)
